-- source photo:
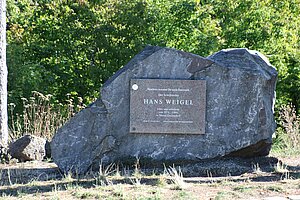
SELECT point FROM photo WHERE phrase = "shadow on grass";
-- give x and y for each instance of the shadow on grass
(55, 185)
(16, 190)
(210, 171)
(11, 175)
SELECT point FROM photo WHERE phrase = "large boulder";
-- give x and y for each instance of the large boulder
(27, 148)
(239, 112)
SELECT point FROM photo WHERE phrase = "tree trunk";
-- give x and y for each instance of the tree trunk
(3, 77)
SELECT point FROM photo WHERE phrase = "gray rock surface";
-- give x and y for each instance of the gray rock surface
(28, 147)
(240, 95)
(83, 140)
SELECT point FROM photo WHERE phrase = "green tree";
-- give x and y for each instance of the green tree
(62, 46)
(271, 27)
(72, 47)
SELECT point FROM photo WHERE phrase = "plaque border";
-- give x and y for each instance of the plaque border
(172, 132)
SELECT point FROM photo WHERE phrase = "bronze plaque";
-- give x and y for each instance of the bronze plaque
(167, 106)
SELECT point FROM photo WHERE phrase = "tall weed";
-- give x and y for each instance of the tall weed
(288, 132)
(41, 115)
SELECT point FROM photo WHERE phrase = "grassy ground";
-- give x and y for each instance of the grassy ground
(225, 179)
(42, 180)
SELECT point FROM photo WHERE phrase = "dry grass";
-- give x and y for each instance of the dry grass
(175, 175)
(287, 138)
(41, 115)
(34, 184)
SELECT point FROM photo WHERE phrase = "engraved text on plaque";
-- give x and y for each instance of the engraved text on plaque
(167, 106)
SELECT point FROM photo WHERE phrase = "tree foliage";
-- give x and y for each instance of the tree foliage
(3, 80)
(63, 46)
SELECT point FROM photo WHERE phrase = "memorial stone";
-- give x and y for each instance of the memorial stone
(167, 105)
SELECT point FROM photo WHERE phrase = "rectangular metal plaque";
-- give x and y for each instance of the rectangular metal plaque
(167, 106)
